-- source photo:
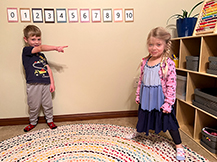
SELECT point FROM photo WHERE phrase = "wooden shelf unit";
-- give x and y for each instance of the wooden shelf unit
(191, 118)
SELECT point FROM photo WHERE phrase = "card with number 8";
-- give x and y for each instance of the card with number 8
(107, 15)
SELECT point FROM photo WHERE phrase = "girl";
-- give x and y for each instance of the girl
(156, 90)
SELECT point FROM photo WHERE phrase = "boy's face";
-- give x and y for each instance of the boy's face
(33, 41)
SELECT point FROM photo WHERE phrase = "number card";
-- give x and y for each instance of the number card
(73, 15)
(37, 15)
(61, 15)
(49, 15)
(85, 15)
(107, 15)
(25, 15)
(129, 15)
(207, 19)
(12, 15)
(118, 15)
(96, 15)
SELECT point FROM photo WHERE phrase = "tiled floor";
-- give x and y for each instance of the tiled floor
(11, 131)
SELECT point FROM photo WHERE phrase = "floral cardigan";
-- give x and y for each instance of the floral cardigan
(168, 83)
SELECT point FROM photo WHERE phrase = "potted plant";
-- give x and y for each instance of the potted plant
(185, 23)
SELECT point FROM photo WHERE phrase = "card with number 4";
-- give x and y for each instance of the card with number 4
(61, 15)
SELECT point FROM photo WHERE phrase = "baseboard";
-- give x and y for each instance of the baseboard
(72, 117)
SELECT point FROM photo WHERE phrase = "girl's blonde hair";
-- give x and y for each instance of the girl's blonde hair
(163, 34)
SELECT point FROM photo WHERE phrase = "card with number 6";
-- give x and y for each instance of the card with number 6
(85, 15)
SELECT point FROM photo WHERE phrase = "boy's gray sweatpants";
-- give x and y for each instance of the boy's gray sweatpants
(39, 95)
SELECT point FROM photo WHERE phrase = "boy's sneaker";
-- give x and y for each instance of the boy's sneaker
(29, 127)
(132, 135)
(180, 154)
(52, 125)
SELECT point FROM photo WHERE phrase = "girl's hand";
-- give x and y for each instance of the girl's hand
(166, 112)
(60, 48)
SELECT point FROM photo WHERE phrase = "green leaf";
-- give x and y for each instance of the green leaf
(194, 8)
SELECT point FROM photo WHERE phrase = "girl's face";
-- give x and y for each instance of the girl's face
(156, 47)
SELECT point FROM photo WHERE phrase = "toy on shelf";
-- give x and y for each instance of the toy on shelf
(207, 19)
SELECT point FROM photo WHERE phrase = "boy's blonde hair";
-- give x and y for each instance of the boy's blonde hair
(31, 30)
(163, 34)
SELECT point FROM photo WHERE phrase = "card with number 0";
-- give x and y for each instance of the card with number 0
(12, 15)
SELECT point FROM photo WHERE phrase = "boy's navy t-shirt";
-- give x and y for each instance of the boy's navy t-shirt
(35, 66)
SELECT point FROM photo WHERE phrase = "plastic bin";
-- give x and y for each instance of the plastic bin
(181, 87)
(192, 63)
(206, 99)
(208, 140)
(213, 63)
(212, 66)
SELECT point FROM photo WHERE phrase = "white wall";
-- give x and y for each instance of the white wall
(99, 66)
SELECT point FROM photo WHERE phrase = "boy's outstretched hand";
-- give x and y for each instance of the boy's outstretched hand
(60, 48)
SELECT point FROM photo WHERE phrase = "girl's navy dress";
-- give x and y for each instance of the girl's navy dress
(150, 116)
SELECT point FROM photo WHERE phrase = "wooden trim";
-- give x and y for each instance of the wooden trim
(71, 117)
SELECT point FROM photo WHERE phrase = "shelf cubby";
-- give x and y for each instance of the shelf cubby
(193, 119)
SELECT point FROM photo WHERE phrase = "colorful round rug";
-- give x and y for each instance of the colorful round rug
(90, 143)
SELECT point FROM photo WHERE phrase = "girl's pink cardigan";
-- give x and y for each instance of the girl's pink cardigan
(168, 83)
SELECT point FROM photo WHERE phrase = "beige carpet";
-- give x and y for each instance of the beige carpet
(11, 131)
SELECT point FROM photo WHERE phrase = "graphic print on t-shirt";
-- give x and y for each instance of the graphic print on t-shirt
(41, 66)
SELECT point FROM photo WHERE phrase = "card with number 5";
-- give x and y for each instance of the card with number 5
(73, 15)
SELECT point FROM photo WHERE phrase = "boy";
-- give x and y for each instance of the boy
(39, 77)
